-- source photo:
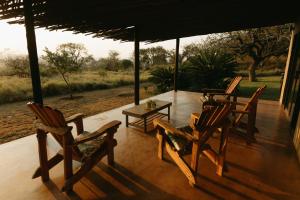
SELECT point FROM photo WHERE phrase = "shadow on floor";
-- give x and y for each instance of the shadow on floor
(119, 183)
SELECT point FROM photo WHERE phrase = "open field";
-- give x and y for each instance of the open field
(16, 119)
(272, 92)
(13, 88)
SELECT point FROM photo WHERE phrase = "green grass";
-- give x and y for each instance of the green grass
(13, 88)
(272, 92)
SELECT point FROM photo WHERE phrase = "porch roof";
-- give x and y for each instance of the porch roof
(156, 20)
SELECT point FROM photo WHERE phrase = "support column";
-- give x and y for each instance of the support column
(32, 52)
(176, 65)
(136, 68)
(286, 72)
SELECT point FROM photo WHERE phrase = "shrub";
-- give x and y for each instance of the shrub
(163, 77)
(210, 68)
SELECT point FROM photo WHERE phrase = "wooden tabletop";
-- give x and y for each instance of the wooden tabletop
(142, 111)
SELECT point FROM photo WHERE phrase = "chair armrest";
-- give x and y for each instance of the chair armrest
(109, 128)
(54, 130)
(240, 111)
(216, 93)
(232, 102)
(207, 90)
(75, 117)
(169, 128)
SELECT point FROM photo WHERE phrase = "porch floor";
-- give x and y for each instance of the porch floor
(268, 169)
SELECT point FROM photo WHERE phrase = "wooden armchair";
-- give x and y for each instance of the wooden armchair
(87, 148)
(248, 129)
(208, 94)
(202, 127)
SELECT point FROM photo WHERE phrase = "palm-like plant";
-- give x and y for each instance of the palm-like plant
(210, 68)
(163, 78)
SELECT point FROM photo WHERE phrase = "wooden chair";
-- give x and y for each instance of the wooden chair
(249, 109)
(202, 127)
(208, 94)
(87, 148)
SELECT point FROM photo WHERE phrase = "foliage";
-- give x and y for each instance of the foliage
(113, 63)
(126, 64)
(153, 56)
(163, 78)
(19, 65)
(102, 73)
(209, 68)
(204, 67)
(259, 44)
(67, 58)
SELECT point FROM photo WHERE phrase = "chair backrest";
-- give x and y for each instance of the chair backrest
(233, 84)
(253, 100)
(212, 118)
(52, 118)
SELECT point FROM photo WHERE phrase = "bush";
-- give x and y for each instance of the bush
(210, 68)
(163, 77)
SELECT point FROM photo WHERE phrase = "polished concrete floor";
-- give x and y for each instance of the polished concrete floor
(268, 169)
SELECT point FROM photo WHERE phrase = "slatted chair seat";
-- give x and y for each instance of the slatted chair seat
(195, 136)
(87, 148)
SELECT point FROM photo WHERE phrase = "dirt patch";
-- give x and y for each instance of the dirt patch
(16, 119)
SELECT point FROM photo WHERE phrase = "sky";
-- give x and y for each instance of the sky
(13, 41)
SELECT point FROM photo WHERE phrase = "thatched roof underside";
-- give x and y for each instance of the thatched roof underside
(156, 19)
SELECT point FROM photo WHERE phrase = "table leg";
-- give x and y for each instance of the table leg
(145, 124)
(169, 113)
(126, 120)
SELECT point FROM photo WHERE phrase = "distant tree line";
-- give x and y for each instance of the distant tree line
(205, 64)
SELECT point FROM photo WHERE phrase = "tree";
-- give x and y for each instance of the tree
(19, 65)
(260, 44)
(67, 58)
(126, 63)
(111, 62)
(171, 57)
(153, 56)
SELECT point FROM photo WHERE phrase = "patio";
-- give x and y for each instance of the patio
(268, 169)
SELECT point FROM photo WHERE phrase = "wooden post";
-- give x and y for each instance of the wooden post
(176, 65)
(136, 68)
(32, 52)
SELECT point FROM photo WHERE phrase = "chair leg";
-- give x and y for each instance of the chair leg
(110, 149)
(183, 166)
(251, 125)
(160, 145)
(222, 150)
(50, 163)
(68, 185)
(44, 169)
(195, 159)
(68, 166)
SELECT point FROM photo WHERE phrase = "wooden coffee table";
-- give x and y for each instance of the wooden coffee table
(146, 115)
